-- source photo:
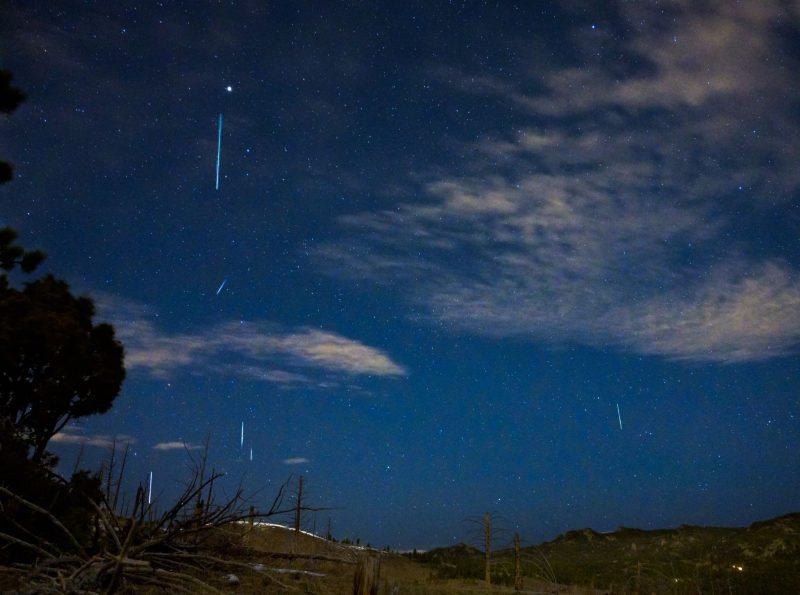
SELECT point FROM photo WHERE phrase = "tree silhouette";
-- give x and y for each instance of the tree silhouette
(10, 98)
(55, 365)
(13, 255)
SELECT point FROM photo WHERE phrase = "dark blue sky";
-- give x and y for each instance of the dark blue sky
(454, 237)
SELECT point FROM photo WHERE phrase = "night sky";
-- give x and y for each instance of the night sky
(454, 238)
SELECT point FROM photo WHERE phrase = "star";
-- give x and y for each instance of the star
(229, 89)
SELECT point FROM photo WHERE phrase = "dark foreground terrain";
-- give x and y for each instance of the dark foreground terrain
(763, 558)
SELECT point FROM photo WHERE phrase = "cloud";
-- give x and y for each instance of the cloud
(337, 353)
(176, 445)
(248, 349)
(101, 440)
(700, 82)
(284, 377)
(296, 461)
(614, 217)
(733, 317)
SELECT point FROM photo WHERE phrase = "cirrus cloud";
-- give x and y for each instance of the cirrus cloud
(296, 461)
(68, 436)
(176, 445)
(244, 348)
(615, 217)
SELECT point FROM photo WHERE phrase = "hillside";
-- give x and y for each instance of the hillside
(761, 558)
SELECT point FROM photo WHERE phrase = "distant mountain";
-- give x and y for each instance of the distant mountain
(450, 554)
(762, 558)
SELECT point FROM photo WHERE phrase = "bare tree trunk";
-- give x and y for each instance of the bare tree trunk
(367, 577)
(488, 548)
(638, 577)
(299, 505)
(197, 518)
(517, 573)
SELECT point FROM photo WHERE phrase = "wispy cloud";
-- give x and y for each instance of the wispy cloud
(295, 461)
(612, 218)
(177, 445)
(734, 316)
(251, 349)
(101, 440)
(284, 377)
(336, 353)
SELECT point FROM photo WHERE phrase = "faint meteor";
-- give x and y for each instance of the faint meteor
(241, 440)
(219, 146)
(150, 489)
(251, 454)
(619, 417)
(221, 285)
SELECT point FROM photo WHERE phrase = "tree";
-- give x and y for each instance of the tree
(13, 255)
(55, 365)
(10, 98)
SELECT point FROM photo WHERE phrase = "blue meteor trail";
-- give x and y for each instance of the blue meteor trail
(224, 281)
(219, 146)
(619, 417)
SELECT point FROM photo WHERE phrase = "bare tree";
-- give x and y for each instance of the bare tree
(141, 548)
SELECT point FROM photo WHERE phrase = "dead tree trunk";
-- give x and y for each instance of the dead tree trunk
(299, 505)
(638, 577)
(487, 542)
(367, 577)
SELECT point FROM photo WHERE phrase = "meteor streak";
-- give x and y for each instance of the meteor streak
(150, 489)
(251, 454)
(219, 146)
(619, 417)
(221, 285)
(241, 440)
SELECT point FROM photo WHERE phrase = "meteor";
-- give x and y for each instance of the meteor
(619, 417)
(251, 454)
(221, 285)
(150, 489)
(219, 146)
(241, 440)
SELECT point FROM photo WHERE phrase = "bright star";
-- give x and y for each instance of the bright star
(229, 88)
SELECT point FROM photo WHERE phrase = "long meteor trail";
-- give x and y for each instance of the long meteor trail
(219, 147)
(619, 417)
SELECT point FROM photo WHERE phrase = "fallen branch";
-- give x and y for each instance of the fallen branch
(25, 544)
(47, 514)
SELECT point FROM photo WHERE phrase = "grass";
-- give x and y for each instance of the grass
(763, 558)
